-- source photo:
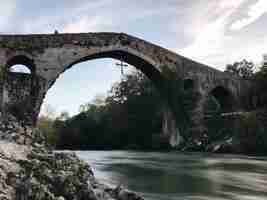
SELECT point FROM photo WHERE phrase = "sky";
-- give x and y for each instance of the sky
(214, 32)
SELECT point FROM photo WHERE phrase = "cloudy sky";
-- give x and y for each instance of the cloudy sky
(214, 32)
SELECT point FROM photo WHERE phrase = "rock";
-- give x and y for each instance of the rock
(12, 130)
(223, 146)
(123, 194)
(30, 171)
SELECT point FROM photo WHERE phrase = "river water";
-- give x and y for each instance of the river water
(179, 176)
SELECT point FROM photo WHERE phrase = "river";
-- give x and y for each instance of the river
(182, 176)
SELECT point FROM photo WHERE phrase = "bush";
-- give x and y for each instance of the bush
(250, 133)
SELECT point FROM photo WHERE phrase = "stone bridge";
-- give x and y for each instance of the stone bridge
(49, 55)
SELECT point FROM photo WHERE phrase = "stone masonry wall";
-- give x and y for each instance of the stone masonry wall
(52, 54)
(18, 90)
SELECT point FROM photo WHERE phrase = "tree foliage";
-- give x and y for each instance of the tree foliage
(243, 69)
(260, 84)
(129, 117)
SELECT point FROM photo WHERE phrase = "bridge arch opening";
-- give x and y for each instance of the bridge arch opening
(20, 64)
(189, 84)
(110, 58)
(136, 61)
(224, 98)
(20, 86)
(22, 69)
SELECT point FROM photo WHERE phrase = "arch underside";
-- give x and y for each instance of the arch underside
(151, 71)
(224, 99)
(21, 60)
(139, 63)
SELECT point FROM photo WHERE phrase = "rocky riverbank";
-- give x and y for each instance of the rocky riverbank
(242, 133)
(29, 171)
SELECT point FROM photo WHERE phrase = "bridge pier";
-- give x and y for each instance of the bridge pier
(170, 129)
(196, 114)
(22, 96)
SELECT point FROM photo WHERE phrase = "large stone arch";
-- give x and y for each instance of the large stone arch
(66, 60)
(146, 65)
(139, 61)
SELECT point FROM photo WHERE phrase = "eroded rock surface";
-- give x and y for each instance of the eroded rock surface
(28, 171)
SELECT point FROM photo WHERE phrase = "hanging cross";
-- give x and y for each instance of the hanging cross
(122, 65)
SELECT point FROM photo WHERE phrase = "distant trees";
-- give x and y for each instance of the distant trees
(136, 109)
(244, 69)
(45, 124)
(130, 117)
(97, 101)
(260, 85)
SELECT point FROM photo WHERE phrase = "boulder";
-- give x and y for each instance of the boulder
(28, 170)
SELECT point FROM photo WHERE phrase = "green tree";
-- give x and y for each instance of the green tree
(45, 124)
(49, 125)
(244, 69)
(260, 85)
(130, 117)
(139, 106)
(63, 116)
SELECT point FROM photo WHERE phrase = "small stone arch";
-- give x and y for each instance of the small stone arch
(20, 89)
(224, 97)
(21, 60)
(188, 84)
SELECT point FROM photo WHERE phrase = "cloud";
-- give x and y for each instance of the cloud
(208, 41)
(210, 38)
(88, 24)
(205, 30)
(255, 11)
(7, 9)
(51, 15)
(117, 15)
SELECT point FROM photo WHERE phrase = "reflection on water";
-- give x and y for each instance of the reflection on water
(168, 176)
